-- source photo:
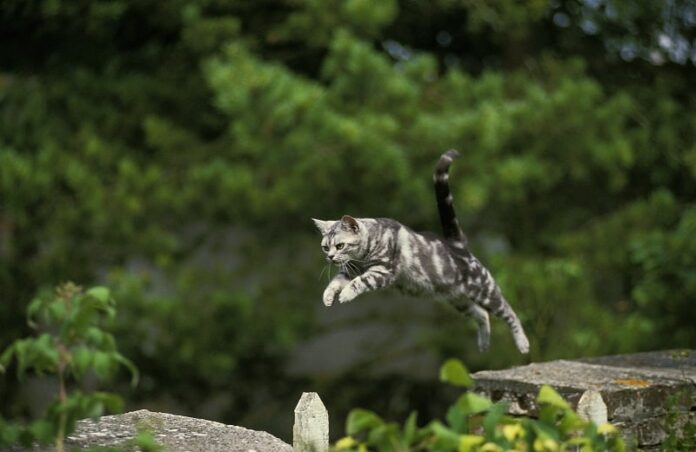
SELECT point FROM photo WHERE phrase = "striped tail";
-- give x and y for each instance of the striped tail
(448, 218)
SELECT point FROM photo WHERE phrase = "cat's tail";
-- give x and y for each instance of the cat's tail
(448, 217)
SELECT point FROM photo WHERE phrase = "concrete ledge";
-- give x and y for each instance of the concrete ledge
(638, 389)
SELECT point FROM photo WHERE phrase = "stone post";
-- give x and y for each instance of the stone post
(591, 407)
(311, 430)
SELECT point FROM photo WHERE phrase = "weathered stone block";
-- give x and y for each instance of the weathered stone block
(175, 433)
(638, 389)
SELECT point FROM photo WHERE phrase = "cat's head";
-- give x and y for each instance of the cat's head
(341, 239)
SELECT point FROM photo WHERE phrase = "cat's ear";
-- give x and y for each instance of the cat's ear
(351, 223)
(322, 225)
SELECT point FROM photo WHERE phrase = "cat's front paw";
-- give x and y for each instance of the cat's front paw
(329, 296)
(347, 294)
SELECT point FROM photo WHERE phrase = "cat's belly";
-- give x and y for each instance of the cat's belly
(411, 285)
(410, 288)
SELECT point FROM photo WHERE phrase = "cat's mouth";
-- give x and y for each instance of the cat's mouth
(338, 262)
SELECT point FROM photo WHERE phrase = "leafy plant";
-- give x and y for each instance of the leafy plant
(69, 344)
(475, 423)
(146, 442)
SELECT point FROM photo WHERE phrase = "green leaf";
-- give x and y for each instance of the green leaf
(93, 409)
(445, 438)
(21, 347)
(570, 422)
(6, 358)
(112, 402)
(468, 443)
(81, 361)
(33, 309)
(492, 419)
(108, 343)
(457, 419)
(100, 293)
(467, 405)
(472, 403)
(410, 428)
(76, 406)
(549, 414)
(56, 312)
(360, 420)
(549, 395)
(103, 364)
(94, 336)
(544, 430)
(455, 373)
(39, 354)
(44, 356)
(383, 435)
(146, 442)
(128, 364)
(43, 430)
(580, 441)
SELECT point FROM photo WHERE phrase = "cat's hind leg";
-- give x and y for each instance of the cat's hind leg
(487, 296)
(483, 323)
(504, 311)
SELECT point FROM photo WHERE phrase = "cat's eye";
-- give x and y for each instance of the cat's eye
(325, 248)
(339, 246)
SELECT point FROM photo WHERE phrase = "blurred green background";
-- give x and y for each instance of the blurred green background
(176, 150)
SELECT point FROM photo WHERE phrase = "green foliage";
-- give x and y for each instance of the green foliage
(72, 346)
(474, 423)
(665, 260)
(454, 372)
(145, 441)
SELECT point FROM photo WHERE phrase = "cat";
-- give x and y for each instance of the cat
(373, 253)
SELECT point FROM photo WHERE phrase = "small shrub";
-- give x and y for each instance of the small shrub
(69, 343)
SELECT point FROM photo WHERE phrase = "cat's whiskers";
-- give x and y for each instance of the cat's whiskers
(328, 274)
(352, 266)
(345, 268)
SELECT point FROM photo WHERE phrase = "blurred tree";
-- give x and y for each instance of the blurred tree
(177, 149)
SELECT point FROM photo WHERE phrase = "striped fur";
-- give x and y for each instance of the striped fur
(378, 252)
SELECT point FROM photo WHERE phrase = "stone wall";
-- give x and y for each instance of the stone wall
(645, 395)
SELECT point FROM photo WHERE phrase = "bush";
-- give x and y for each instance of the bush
(475, 423)
(70, 345)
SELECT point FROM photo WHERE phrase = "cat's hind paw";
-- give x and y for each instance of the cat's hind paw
(522, 343)
(483, 340)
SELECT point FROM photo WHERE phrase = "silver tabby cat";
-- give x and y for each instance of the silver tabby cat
(378, 252)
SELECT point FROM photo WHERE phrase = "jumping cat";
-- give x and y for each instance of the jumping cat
(378, 252)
